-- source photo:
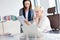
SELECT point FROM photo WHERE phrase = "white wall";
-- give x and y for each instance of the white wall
(52, 3)
(10, 7)
(45, 5)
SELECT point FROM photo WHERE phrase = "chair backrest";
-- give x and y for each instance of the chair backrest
(51, 10)
(54, 19)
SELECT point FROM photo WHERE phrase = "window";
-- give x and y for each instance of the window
(52, 3)
(58, 6)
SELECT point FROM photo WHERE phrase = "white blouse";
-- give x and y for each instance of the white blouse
(44, 24)
(26, 15)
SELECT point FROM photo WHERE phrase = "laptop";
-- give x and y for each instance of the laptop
(28, 29)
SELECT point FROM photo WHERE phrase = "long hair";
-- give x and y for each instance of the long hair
(30, 7)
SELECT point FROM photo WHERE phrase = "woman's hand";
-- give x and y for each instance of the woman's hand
(27, 22)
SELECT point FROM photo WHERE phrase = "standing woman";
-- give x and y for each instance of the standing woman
(27, 11)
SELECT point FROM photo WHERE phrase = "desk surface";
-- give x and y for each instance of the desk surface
(46, 36)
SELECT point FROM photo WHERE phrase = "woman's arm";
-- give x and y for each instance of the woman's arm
(20, 12)
(27, 22)
(44, 25)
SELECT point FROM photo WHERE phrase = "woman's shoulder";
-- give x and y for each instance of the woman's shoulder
(21, 9)
(31, 9)
(46, 19)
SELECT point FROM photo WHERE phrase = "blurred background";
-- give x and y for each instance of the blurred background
(9, 10)
(11, 7)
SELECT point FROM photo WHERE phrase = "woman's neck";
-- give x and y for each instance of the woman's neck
(26, 9)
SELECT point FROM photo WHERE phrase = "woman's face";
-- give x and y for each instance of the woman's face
(38, 13)
(27, 4)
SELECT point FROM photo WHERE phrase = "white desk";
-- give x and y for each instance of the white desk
(46, 36)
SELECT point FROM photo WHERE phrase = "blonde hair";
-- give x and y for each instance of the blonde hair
(39, 8)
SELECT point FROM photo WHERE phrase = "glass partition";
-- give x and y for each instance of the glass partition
(58, 6)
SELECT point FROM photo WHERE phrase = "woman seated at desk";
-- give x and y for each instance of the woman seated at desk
(42, 21)
(26, 11)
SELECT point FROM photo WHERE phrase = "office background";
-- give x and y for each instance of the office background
(11, 7)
